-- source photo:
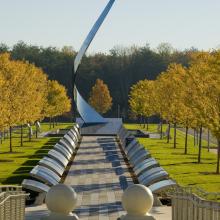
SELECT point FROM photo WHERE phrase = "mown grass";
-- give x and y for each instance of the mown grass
(15, 166)
(183, 168)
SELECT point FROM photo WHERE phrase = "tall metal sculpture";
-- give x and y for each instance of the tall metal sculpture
(87, 113)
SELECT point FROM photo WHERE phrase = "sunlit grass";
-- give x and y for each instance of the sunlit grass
(183, 168)
(14, 167)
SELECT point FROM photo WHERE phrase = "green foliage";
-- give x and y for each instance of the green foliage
(120, 69)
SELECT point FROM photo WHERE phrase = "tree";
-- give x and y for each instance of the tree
(11, 92)
(58, 102)
(205, 75)
(186, 116)
(22, 93)
(34, 96)
(100, 98)
(3, 104)
(168, 89)
(124, 65)
(141, 98)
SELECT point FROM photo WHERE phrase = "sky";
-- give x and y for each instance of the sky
(182, 23)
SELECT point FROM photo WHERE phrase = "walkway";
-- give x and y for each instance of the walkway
(99, 175)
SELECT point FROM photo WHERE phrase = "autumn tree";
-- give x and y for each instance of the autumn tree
(141, 99)
(186, 116)
(169, 90)
(58, 102)
(34, 97)
(204, 73)
(11, 92)
(100, 98)
(3, 104)
(22, 93)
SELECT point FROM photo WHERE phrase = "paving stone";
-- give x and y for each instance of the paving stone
(99, 175)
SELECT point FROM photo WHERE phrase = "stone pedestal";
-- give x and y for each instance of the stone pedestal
(61, 201)
(137, 201)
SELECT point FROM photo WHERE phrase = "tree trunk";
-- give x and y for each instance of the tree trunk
(208, 140)
(4, 134)
(174, 138)
(161, 128)
(21, 144)
(218, 157)
(194, 130)
(200, 144)
(1, 136)
(50, 122)
(30, 134)
(168, 133)
(144, 121)
(147, 123)
(56, 120)
(10, 132)
(197, 137)
(186, 140)
(53, 122)
(36, 133)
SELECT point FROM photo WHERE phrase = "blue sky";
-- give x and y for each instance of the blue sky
(57, 23)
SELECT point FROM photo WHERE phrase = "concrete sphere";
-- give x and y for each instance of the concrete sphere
(137, 200)
(61, 199)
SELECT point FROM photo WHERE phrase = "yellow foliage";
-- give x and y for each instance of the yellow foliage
(141, 98)
(100, 98)
(22, 92)
(168, 90)
(204, 77)
(58, 102)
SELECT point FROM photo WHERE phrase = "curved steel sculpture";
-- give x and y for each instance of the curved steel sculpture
(87, 113)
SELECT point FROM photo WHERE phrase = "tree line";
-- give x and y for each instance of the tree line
(187, 96)
(120, 68)
(27, 96)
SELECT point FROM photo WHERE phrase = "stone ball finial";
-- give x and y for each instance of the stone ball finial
(61, 199)
(137, 200)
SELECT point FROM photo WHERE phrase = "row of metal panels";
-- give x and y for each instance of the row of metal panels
(146, 168)
(50, 168)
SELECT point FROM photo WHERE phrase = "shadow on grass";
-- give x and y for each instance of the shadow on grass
(23, 171)
(69, 127)
(6, 161)
(30, 163)
(192, 154)
(190, 162)
(209, 173)
(10, 153)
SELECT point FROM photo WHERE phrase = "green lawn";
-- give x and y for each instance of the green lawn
(14, 167)
(183, 168)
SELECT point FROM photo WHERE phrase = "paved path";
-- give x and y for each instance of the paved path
(99, 175)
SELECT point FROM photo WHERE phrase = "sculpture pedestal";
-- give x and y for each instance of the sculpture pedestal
(111, 127)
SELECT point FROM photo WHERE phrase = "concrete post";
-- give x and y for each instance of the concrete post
(137, 201)
(61, 201)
